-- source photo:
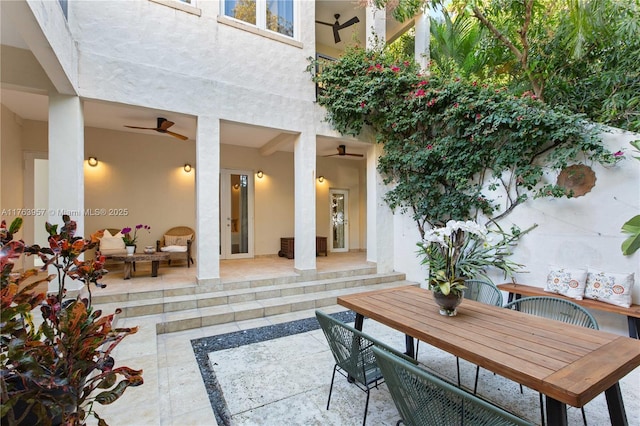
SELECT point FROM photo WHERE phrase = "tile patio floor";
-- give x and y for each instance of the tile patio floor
(284, 381)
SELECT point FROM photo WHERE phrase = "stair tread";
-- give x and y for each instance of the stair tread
(243, 291)
(256, 304)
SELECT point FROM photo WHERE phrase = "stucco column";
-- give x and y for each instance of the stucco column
(423, 35)
(66, 160)
(379, 216)
(207, 170)
(305, 202)
(376, 27)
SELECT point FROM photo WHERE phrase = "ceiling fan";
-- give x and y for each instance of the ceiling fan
(163, 125)
(342, 152)
(337, 26)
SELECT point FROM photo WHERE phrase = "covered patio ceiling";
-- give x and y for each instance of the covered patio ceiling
(33, 104)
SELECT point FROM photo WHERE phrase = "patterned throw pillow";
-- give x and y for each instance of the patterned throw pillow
(569, 282)
(609, 287)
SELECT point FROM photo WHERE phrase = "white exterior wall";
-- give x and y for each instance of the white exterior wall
(50, 41)
(580, 232)
(192, 64)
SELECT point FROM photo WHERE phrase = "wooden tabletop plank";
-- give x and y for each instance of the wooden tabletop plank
(552, 357)
(589, 376)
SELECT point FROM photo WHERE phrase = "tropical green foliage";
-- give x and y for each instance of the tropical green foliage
(632, 226)
(454, 45)
(581, 54)
(594, 62)
(57, 370)
(466, 249)
(454, 149)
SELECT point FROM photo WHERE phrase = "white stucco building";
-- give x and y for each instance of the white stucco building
(233, 79)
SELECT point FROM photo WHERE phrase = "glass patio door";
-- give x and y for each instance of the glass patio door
(236, 214)
(339, 219)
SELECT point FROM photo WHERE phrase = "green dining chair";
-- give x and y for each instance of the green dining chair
(423, 399)
(352, 351)
(480, 291)
(556, 309)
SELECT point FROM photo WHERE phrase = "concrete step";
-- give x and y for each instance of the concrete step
(153, 303)
(191, 290)
(169, 322)
(241, 302)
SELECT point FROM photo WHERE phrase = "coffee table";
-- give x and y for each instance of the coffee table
(129, 260)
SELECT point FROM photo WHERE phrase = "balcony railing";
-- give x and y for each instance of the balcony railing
(320, 61)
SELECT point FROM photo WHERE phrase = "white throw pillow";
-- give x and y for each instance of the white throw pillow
(174, 249)
(609, 287)
(177, 240)
(569, 282)
(108, 242)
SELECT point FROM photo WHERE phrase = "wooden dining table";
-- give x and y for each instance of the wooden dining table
(568, 364)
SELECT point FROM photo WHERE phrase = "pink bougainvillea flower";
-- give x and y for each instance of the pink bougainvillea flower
(618, 154)
(395, 69)
(429, 146)
(363, 104)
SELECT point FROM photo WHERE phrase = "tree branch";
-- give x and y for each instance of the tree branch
(512, 47)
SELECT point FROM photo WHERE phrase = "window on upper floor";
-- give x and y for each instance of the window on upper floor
(273, 15)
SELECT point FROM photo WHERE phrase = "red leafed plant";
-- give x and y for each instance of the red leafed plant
(55, 369)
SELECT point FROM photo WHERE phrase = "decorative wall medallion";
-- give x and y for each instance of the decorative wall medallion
(577, 180)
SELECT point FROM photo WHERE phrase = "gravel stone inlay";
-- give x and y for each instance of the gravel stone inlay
(205, 345)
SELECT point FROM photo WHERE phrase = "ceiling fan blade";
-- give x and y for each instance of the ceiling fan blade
(336, 34)
(176, 135)
(350, 22)
(143, 128)
(324, 23)
(165, 124)
(354, 155)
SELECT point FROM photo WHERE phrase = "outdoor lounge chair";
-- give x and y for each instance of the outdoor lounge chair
(423, 399)
(353, 353)
(556, 309)
(177, 242)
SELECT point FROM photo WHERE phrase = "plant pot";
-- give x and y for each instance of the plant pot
(448, 304)
(130, 250)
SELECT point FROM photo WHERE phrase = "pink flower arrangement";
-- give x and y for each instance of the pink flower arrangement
(131, 241)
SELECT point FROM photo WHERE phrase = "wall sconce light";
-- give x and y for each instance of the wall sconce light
(187, 167)
(260, 174)
(320, 179)
(92, 161)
